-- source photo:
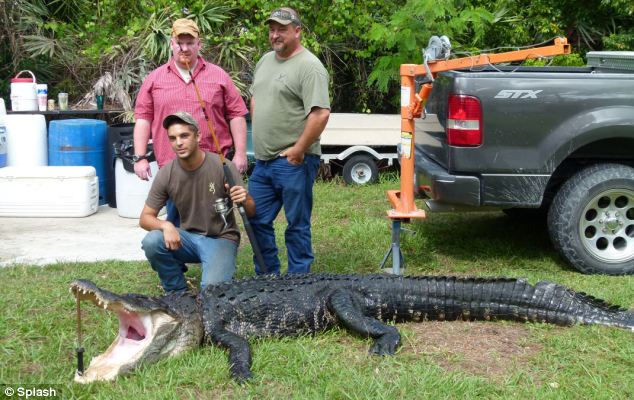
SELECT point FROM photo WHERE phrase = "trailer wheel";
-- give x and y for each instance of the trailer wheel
(591, 220)
(360, 169)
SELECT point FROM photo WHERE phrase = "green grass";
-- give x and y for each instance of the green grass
(350, 234)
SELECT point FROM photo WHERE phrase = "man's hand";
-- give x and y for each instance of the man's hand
(293, 155)
(238, 194)
(142, 169)
(240, 161)
(172, 237)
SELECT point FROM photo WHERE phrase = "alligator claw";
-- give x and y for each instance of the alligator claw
(386, 345)
(241, 376)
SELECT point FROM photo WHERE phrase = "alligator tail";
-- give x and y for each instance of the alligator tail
(553, 303)
(448, 298)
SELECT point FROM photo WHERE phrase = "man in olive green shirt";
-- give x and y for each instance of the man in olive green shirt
(290, 107)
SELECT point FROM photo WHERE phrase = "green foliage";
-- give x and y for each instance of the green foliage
(403, 36)
(566, 60)
(362, 44)
(82, 40)
(620, 42)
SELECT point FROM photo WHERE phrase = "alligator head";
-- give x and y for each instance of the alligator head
(149, 329)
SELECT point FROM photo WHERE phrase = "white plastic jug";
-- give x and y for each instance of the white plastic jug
(24, 93)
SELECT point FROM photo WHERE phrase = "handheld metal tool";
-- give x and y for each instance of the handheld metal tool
(79, 349)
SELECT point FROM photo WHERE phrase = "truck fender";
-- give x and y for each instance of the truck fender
(585, 128)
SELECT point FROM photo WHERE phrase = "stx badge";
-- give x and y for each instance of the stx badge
(517, 94)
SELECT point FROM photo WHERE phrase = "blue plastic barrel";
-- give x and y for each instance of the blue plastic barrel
(80, 142)
(3, 146)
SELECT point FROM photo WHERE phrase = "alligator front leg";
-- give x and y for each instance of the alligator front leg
(350, 314)
(239, 353)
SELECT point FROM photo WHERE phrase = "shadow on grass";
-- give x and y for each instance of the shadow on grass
(486, 237)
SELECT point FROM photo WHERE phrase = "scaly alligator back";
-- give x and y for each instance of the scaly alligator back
(295, 304)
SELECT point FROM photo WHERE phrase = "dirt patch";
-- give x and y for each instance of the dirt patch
(32, 368)
(489, 350)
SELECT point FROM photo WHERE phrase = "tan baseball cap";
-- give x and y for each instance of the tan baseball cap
(184, 26)
(180, 117)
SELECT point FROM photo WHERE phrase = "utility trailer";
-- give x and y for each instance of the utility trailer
(356, 146)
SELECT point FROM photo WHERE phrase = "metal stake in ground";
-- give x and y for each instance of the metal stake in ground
(225, 167)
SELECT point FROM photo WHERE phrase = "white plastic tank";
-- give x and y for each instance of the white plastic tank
(26, 140)
(131, 192)
(24, 92)
(3, 135)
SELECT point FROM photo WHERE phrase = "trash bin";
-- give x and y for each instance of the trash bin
(116, 133)
(131, 191)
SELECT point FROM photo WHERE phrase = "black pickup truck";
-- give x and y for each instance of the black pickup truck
(530, 140)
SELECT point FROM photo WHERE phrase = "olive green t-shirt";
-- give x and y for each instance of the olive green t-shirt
(194, 194)
(284, 92)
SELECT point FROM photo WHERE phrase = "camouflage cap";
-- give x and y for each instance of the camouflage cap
(180, 117)
(284, 16)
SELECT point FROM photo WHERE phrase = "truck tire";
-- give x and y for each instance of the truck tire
(591, 220)
(360, 169)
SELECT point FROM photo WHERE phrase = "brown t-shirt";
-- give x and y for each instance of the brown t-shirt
(194, 194)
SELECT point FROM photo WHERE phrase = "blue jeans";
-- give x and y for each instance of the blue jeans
(217, 256)
(276, 183)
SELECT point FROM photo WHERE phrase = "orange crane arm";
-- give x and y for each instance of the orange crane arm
(412, 104)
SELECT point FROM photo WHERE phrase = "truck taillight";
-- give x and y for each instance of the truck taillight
(464, 121)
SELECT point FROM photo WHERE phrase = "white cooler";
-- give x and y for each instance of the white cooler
(48, 191)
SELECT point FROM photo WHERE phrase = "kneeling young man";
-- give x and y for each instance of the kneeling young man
(194, 181)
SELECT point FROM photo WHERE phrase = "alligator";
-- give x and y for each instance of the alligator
(228, 314)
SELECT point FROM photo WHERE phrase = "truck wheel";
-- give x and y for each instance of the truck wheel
(591, 220)
(359, 170)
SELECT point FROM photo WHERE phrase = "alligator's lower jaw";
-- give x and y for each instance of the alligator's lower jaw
(129, 349)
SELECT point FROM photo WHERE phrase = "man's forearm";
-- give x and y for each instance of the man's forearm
(149, 220)
(315, 125)
(238, 128)
(141, 135)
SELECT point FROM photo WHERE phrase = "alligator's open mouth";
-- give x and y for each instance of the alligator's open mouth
(139, 326)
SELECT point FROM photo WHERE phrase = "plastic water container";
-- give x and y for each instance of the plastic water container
(3, 134)
(26, 140)
(24, 92)
(132, 191)
(80, 142)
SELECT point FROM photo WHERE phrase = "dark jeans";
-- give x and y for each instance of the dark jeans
(276, 183)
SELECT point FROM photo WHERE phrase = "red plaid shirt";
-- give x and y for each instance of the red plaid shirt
(165, 92)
